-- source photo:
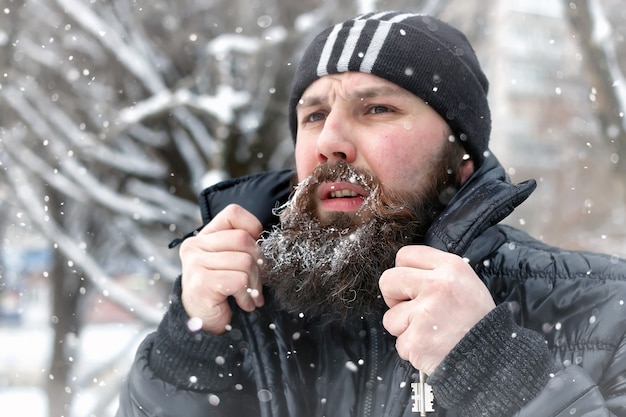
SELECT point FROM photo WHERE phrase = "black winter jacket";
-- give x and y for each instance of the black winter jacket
(554, 346)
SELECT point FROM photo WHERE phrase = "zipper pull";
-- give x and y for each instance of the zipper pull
(422, 396)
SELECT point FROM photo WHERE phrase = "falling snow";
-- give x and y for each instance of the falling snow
(113, 122)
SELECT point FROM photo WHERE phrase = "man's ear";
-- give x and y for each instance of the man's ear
(466, 171)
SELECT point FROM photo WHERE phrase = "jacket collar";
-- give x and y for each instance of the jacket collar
(484, 200)
(260, 194)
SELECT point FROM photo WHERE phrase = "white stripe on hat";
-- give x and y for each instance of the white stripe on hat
(322, 65)
(350, 45)
(376, 16)
(378, 40)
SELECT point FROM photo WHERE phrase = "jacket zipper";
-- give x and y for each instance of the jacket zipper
(370, 386)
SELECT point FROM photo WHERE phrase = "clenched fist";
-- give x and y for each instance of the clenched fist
(222, 261)
(434, 299)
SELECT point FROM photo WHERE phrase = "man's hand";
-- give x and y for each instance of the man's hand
(222, 260)
(435, 298)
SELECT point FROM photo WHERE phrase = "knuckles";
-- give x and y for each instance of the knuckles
(240, 239)
(389, 322)
(234, 210)
(405, 254)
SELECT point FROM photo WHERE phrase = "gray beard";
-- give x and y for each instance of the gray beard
(330, 268)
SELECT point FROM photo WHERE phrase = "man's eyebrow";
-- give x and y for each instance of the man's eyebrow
(309, 101)
(357, 94)
(372, 92)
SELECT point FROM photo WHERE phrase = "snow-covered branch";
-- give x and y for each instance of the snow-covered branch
(29, 200)
(222, 106)
(178, 208)
(81, 175)
(149, 250)
(114, 42)
(26, 157)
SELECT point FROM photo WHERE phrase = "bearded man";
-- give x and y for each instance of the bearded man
(385, 265)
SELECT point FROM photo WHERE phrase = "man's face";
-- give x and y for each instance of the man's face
(372, 124)
(375, 166)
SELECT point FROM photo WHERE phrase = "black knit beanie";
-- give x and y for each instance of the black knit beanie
(420, 53)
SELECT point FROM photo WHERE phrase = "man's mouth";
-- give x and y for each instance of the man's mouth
(341, 196)
(340, 189)
(342, 193)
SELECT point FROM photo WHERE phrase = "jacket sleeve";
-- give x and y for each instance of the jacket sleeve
(501, 369)
(571, 392)
(178, 371)
(145, 394)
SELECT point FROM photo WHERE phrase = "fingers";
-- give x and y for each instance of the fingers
(215, 255)
(400, 284)
(234, 217)
(235, 241)
(396, 320)
(434, 299)
(419, 268)
(222, 261)
(423, 257)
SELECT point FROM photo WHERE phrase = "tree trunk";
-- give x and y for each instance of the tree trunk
(65, 326)
(606, 104)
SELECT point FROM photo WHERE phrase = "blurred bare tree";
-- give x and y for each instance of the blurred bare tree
(600, 31)
(115, 114)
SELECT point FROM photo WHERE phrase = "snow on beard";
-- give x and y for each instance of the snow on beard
(331, 266)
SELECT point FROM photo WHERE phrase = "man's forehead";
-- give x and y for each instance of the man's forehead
(351, 88)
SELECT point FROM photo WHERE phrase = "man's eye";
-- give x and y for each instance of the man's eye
(379, 109)
(314, 117)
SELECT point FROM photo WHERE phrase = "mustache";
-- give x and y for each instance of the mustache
(381, 203)
(303, 199)
(342, 171)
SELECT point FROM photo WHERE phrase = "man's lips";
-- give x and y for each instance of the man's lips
(341, 196)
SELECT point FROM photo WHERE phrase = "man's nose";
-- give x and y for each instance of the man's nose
(336, 140)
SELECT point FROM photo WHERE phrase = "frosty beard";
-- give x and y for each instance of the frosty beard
(330, 266)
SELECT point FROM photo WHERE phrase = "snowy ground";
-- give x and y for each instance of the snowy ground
(22, 401)
(25, 352)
